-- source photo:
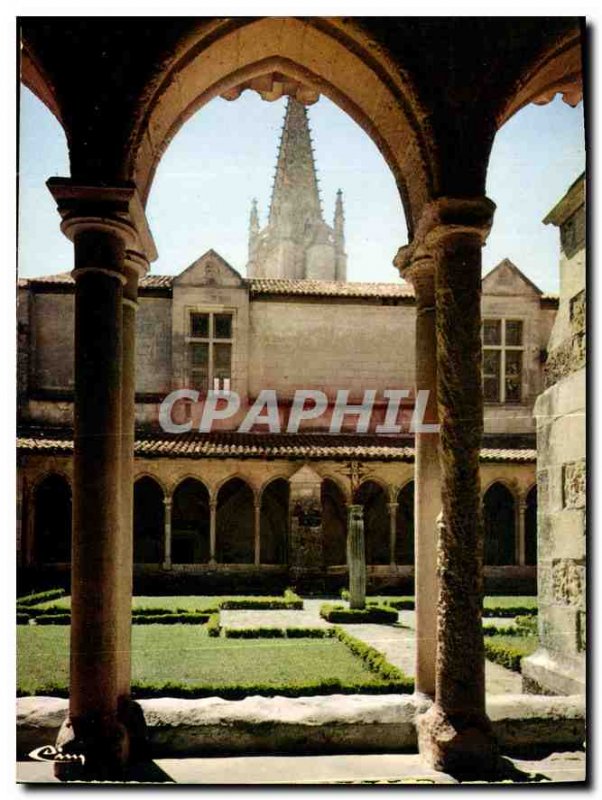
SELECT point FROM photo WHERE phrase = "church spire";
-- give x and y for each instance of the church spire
(253, 229)
(339, 222)
(295, 196)
(339, 239)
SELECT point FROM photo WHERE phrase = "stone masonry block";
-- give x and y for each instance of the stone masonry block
(574, 484)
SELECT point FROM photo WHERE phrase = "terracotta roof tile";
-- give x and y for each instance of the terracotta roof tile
(256, 445)
(263, 286)
(309, 288)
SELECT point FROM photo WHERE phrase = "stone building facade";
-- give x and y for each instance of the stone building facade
(559, 666)
(226, 505)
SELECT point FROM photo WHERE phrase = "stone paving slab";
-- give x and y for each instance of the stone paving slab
(356, 768)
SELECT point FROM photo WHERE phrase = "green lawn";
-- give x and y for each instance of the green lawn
(184, 654)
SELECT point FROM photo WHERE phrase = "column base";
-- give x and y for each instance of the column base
(461, 744)
(97, 748)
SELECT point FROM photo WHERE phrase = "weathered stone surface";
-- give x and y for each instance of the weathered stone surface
(457, 743)
(356, 557)
(568, 581)
(574, 484)
(344, 723)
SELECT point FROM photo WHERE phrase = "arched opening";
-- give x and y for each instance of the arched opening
(373, 498)
(334, 524)
(149, 522)
(499, 519)
(264, 55)
(404, 539)
(235, 541)
(190, 523)
(531, 527)
(274, 522)
(52, 502)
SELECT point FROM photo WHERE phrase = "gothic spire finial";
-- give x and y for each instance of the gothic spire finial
(295, 197)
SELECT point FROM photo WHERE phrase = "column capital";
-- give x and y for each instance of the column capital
(116, 209)
(441, 219)
(167, 502)
(392, 506)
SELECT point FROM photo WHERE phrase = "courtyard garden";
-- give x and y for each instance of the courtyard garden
(234, 646)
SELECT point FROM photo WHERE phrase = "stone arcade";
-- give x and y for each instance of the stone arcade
(118, 124)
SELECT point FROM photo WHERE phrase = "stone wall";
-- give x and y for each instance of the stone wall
(559, 667)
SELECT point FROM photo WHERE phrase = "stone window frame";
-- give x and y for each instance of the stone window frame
(210, 340)
(502, 348)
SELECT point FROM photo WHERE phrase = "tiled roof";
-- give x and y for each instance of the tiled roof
(256, 445)
(66, 279)
(309, 288)
(275, 286)
(262, 286)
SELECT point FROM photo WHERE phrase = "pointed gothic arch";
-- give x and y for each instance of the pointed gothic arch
(149, 521)
(190, 521)
(499, 519)
(373, 497)
(299, 57)
(404, 539)
(531, 527)
(52, 520)
(274, 522)
(235, 537)
(334, 523)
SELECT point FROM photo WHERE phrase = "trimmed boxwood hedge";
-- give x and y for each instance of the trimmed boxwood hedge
(62, 617)
(40, 597)
(213, 625)
(240, 691)
(278, 633)
(384, 615)
(22, 619)
(376, 661)
(509, 654)
(289, 600)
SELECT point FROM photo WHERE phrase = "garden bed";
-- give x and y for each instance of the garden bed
(181, 661)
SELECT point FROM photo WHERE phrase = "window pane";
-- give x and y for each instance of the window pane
(491, 390)
(491, 363)
(222, 359)
(199, 355)
(514, 332)
(514, 360)
(492, 331)
(222, 326)
(199, 325)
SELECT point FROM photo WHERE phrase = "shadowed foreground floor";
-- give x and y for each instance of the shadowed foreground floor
(567, 767)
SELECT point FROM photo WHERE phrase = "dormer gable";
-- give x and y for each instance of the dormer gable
(209, 270)
(506, 279)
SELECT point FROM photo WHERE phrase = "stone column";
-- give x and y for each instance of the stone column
(212, 530)
(455, 734)
(427, 481)
(168, 503)
(392, 531)
(521, 509)
(135, 267)
(356, 556)
(102, 223)
(257, 530)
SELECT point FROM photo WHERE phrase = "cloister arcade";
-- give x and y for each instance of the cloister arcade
(173, 524)
(431, 94)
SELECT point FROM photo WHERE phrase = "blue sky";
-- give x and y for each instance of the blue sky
(226, 155)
